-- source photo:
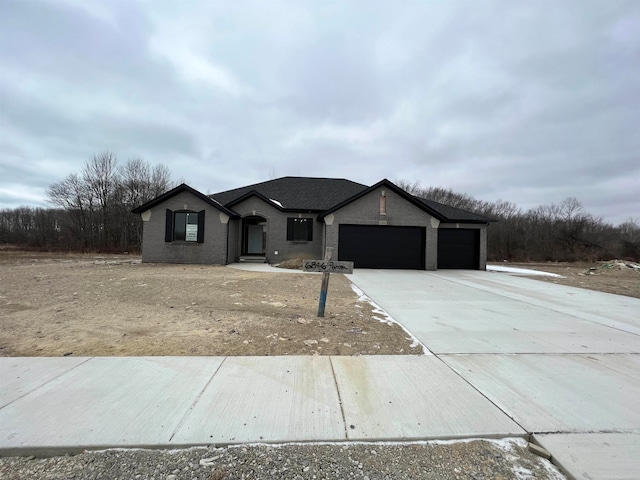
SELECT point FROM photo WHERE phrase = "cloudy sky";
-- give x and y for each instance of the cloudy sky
(530, 102)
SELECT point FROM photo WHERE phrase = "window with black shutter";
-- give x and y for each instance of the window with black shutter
(300, 229)
(184, 226)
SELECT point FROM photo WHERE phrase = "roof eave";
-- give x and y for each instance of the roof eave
(179, 189)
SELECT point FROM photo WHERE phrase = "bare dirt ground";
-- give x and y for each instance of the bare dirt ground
(113, 305)
(614, 276)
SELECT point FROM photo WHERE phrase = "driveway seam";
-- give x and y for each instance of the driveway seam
(527, 302)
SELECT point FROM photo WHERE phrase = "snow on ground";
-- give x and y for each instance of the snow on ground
(520, 271)
(388, 319)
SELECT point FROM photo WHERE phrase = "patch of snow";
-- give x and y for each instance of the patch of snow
(389, 443)
(522, 473)
(552, 470)
(388, 319)
(276, 202)
(521, 271)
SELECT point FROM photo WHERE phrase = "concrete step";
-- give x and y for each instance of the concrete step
(253, 259)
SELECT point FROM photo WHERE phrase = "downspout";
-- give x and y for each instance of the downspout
(226, 250)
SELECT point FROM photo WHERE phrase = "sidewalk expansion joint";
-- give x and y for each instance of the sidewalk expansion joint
(45, 383)
(196, 400)
(482, 393)
(335, 381)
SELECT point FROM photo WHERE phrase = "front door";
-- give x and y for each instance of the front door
(254, 236)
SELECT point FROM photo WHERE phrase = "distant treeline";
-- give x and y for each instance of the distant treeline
(92, 212)
(553, 232)
(92, 209)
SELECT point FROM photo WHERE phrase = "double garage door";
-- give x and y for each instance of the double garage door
(384, 246)
(377, 246)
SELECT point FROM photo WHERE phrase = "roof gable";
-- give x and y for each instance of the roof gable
(386, 184)
(295, 193)
(253, 193)
(444, 213)
(179, 189)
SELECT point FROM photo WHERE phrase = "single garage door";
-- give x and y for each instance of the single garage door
(459, 248)
(382, 246)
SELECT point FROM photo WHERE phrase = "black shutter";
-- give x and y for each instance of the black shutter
(168, 227)
(290, 228)
(310, 229)
(201, 226)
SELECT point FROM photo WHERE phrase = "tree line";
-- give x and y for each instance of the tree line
(562, 231)
(91, 211)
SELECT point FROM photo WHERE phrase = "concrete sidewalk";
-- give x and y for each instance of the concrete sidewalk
(53, 405)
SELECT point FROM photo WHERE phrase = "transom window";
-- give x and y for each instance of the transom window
(300, 229)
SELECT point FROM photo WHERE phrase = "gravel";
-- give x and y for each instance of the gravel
(475, 460)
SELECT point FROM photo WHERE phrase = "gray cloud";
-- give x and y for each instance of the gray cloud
(528, 102)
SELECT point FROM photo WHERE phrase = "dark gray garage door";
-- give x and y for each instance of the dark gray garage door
(459, 248)
(382, 246)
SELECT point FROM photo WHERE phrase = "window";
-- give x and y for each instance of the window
(184, 226)
(300, 229)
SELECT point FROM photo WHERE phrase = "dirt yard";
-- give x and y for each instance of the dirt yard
(614, 276)
(108, 305)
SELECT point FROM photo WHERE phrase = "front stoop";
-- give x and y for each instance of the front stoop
(252, 259)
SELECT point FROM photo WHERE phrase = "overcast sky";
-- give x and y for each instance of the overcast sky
(530, 102)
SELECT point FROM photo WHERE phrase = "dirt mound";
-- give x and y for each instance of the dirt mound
(292, 264)
(612, 276)
(605, 267)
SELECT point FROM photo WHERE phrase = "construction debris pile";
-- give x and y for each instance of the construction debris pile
(612, 265)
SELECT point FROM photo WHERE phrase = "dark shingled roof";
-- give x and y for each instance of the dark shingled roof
(453, 214)
(297, 193)
(325, 195)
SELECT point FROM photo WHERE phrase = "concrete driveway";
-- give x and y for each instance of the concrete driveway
(562, 362)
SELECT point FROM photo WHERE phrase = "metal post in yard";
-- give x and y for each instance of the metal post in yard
(325, 284)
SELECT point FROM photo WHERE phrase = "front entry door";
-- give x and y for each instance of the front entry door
(253, 235)
(254, 240)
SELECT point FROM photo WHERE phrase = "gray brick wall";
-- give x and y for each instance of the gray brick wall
(233, 242)
(366, 211)
(223, 236)
(213, 250)
(277, 232)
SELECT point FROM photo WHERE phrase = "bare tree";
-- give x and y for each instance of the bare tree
(100, 200)
(139, 183)
(629, 233)
(72, 195)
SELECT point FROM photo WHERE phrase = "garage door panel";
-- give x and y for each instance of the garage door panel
(459, 248)
(382, 246)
